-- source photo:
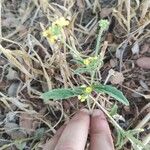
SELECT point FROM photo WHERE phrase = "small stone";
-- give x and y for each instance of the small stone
(143, 62)
(11, 127)
(117, 78)
(12, 74)
(145, 48)
(113, 63)
(12, 90)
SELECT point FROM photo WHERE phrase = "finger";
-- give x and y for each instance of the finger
(100, 132)
(75, 134)
(50, 145)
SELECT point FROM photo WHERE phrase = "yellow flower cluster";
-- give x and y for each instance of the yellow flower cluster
(61, 22)
(88, 90)
(89, 60)
(54, 31)
(49, 35)
(84, 96)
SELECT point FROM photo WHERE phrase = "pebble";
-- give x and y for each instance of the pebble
(143, 62)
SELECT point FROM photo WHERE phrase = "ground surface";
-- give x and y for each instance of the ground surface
(30, 65)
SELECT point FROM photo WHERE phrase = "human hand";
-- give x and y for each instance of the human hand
(73, 136)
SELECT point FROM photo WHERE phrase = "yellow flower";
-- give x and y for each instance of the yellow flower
(92, 58)
(95, 58)
(82, 98)
(50, 35)
(89, 60)
(46, 33)
(61, 22)
(54, 31)
(88, 90)
(52, 39)
(86, 61)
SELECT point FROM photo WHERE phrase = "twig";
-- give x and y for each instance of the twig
(146, 139)
(143, 121)
(48, 79)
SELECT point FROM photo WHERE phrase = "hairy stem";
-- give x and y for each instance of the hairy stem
(98, 42)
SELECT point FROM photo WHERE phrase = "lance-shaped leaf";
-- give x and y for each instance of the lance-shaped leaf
(112, 91)
(59, 94)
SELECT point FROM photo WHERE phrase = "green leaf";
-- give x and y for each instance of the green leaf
(104, 24)
(93, 66)
(81, 70)
(112, 91)
(77, 61)
(39, 133)
(113, 110)
(58, 94)
(20, 144)
(56, 30)
(120, 139)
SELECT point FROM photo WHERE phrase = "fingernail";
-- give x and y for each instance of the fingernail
(80, 114)
(85, 110)
(97, 112)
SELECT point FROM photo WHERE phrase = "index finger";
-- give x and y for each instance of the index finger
(75, 134)
(100, 132)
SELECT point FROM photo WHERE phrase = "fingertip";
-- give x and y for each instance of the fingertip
(99, 122)
(84, 110)
(77, 128)
(99, 113)
(100, 131)
(82, 114)
(60, 130)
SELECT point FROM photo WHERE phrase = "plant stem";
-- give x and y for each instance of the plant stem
(75, 52)
(89, 103)
(92, 77)
(98, 42)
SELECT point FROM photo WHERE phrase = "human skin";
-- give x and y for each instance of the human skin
(73, 135)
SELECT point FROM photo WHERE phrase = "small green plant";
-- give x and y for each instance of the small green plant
(131, 134)
(89, 65)
(53, 33)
